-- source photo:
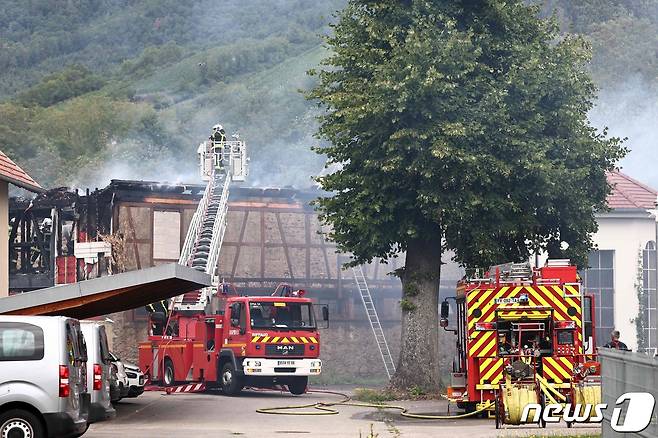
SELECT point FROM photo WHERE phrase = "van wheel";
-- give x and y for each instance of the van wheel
(231, 382)
(298, 386)
(80, 434)
(21, 424)
(168, 376)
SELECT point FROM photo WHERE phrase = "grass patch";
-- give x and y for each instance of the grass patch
(330, 378)
(368, 395)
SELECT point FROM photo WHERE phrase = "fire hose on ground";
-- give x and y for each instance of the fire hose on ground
(324, 408)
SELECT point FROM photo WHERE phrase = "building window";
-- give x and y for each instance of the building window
(599, 280)
(650, 317)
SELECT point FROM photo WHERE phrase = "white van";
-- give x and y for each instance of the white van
(98, 371)
(42, 377)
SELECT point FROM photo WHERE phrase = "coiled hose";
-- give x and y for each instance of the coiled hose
(322, 408)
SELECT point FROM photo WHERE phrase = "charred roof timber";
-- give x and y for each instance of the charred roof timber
(273, 235)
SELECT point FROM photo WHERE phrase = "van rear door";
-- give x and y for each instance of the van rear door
(106, 357)
(71, 374)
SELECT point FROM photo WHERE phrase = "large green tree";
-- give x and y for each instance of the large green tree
(456, 125)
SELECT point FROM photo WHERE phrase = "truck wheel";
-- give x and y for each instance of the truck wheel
(168, 376)
(20, 423)
(231, 382)
(469, 408)
(298, 385)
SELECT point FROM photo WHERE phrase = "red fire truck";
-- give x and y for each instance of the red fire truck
(258, 341)
(211, 337)
(521, 324)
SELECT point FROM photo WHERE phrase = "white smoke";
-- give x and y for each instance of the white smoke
(631, 110)
(134, 160)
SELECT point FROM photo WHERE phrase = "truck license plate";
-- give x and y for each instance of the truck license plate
(285, 362)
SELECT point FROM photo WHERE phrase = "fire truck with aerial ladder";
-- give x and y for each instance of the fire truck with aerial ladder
(524, 335)
(213, 336)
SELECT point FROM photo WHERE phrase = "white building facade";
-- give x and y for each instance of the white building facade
(622, 269)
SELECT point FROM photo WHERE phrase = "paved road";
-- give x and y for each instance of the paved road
(214, 415)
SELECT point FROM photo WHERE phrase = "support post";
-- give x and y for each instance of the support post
(4, 239)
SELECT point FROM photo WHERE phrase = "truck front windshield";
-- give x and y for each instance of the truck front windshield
(281, 315)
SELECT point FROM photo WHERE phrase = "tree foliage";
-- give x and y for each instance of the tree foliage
(71, 82)
(175, 66)
(467, 119)
(622, 33)
(456, 125)
(195, 62)
(41, 36)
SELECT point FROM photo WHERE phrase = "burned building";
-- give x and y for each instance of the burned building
(40, 237)
(273, 236)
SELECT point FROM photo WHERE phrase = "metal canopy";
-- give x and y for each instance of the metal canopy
(100, 296)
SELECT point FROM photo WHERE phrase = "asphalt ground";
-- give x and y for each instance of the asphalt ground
(212, 414)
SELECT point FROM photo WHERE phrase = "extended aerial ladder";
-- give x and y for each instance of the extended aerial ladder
(221, 163)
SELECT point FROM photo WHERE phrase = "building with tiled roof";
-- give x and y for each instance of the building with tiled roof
(625, 259)
(10, 173)
(628, 193)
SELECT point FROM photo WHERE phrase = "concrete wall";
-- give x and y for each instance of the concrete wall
(626, 234)
(123, 335)
(4, 239)
(624, 372)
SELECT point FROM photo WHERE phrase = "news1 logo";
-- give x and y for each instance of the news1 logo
(638, 413)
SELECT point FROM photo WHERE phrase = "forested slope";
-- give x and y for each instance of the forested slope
(99, 89)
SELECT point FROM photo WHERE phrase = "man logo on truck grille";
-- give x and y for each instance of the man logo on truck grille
(285, 349)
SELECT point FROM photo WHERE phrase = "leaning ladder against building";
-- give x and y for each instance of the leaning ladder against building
(373, 319)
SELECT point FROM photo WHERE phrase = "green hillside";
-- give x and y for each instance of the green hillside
(98, 89)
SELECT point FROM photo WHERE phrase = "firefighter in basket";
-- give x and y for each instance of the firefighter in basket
(218, 141)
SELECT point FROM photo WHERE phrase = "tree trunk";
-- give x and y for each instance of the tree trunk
(418, 365)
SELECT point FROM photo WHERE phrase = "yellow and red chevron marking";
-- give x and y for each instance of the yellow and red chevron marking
(285, 339)
(525, 313)
(485, 301)
(491, 371)
(482, 344)
(546, 296)
(554, 296)
(557, 369)
(571, 290)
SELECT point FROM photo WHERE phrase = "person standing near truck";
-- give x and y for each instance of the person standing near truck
(615, 342)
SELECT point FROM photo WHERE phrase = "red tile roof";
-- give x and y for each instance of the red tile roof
(630, 194)
(10, 172)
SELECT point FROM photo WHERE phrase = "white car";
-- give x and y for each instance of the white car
(122, 378)
(42, 377)
(136, 379)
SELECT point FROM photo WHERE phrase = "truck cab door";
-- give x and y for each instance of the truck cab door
(237, 331)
